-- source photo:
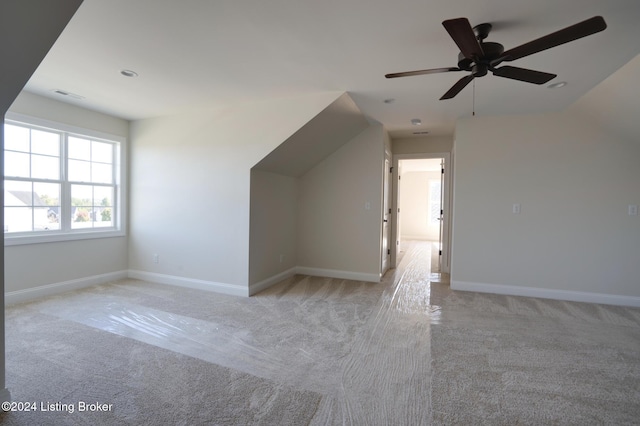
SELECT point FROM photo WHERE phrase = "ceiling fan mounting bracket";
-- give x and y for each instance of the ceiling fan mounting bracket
(482, 31)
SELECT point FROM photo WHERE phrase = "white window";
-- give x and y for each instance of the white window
(60, 183)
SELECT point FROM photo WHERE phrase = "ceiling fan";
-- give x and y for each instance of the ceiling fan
(479, 56)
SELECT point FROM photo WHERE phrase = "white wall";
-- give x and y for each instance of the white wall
(414, 206)
(274, 217)
(190, 188)
(340, 208)
(422, 145)
(61, 112)
(31, 266)
(574, 180)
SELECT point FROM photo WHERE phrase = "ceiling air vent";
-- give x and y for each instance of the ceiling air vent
(68, 94)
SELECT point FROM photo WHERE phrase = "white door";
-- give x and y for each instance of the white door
(441, 217)
(386, 215)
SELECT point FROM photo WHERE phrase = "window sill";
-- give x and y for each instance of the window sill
(17, 240)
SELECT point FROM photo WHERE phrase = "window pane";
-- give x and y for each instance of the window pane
(27, 211)
(48, 196)
(17, 194)
(101, 173)
(48, 193)
(18, 219)
(41, 221)
(104, 217)
(16, 138)
(43, 167)
(46, 143)
(79, 171)
(102, 152)
(82, 206)
(79, 149)
(81, 195)
(16, 164)
(103, 196)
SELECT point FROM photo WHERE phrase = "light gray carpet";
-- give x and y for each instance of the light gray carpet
(504, 360)
(53, 360)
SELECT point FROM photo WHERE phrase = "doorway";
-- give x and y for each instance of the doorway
(386, 213)
(421, 203)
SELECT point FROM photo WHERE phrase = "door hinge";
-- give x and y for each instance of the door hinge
(389, 211)
(388, 251)
(440, 253)
(442, 171)
(391, 170)
(441, 212)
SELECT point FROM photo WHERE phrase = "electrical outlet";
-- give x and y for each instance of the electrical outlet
(156, 258)
(516, 208)
(633, 210)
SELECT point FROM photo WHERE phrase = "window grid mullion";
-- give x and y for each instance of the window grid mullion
(65, 196)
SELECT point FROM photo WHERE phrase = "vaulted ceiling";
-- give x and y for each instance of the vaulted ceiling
(192, 53)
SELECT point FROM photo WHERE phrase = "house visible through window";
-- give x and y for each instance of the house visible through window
(59, 183)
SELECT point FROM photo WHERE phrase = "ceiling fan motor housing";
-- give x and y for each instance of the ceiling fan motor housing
(491, 51)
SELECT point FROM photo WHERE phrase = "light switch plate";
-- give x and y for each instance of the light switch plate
(516, 208)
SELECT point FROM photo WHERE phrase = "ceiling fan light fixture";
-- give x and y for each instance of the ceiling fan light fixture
(416, 121)
(557, 85)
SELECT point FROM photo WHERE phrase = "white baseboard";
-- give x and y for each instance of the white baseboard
(18, 296)
(332, 273)
(264, 284)
(230, 289)
(547, 293)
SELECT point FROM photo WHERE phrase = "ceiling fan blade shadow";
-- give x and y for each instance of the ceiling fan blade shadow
(421, 72)
(461, 84)
(523, 74)
(461, 32)
(574, 32)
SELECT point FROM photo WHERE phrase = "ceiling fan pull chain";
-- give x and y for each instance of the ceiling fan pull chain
(473, 104)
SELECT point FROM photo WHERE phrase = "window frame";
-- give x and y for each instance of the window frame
(120, 184)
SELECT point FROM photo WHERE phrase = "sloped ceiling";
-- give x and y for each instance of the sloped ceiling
(333, 127)
(615, 103)
(22, 45)
(193, 53)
